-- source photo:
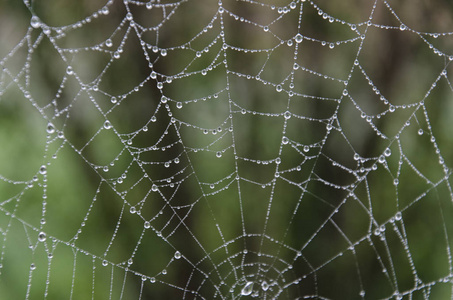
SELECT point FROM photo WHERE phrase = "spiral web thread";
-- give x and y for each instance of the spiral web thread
(260, 154)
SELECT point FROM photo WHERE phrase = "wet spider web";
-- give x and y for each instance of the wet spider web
(233, 149)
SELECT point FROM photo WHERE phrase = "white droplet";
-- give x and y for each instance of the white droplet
(130, 261)
(147, 225)
(395, 181)
(154, 188)
(398, 216)
(306, 148)
(160, 85)
(403, 27)
(218, 154)
(298, 38)
(387, 152)
(278, 88)
(177, 255)
(265, 285)
(163, 52)
(345, 92)
(109, 43)
(41, 236)
(247, 289)
(43, 170)
(285, 140)
(152, 279)
(420, 131)
(32, 267)
(50, 128)
(35, 22)
(287, 115)
(69, 70)
(107, 124)
(179, 105)
(105, 263)
(133, 210)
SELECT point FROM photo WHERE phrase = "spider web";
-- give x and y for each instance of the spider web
(200, 149)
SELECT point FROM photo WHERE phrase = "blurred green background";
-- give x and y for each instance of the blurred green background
(333, 182)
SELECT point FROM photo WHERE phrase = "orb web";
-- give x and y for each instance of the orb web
(232, 149)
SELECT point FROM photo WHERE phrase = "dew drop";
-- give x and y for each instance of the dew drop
(147, 225)
(306, 148)
(154, 188)
(163, 52)
(247, 289)
(130, 261)
(107, 125)
(42, 236)
(177, 255)
(218, 154)
(105, 263)
(109, 43)
(285, 140)
(420, 131)
(133, 210)
(265, 285)
(278, 88)
(35, 22)
(50, 128)
(298, 38)
(152, 279)
(403, 27)
(32, 267)
(287, 115)
(398, 216)
(43, 170)
(179, 105)
(387, 152)
(69, 70)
